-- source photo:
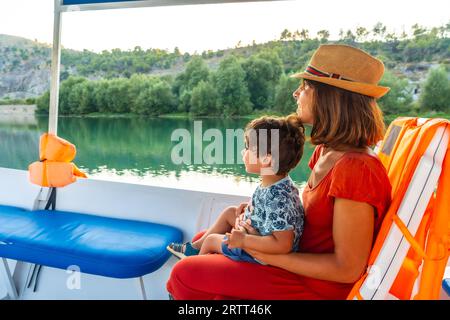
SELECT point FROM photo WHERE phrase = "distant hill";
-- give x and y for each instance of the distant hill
(24, 67)
(25, 64)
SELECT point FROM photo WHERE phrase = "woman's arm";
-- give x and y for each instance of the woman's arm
(278, 242)
(353, 225)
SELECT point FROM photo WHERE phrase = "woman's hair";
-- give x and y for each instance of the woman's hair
(343, 118)
(291, 140)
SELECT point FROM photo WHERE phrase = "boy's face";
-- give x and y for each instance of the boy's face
(252, 163)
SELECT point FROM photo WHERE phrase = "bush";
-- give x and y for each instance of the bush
(436, 91)
(204, 100)
(284, 102)
(399, 98)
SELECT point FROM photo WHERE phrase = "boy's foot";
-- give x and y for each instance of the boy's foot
(182, 250)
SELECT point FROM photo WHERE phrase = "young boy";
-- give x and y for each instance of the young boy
(274, 146)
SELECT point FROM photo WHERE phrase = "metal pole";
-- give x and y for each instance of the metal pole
(141, 285)
(56, 57)
(9, 280)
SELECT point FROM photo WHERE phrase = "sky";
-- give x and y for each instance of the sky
(212, 27)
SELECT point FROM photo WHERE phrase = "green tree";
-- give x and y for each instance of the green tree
(74, 98)
(117, 98)
(67, 100)
(100, 93)
(233, 95)
(43, 103)
(379, 30)
(399, 98)
(87, 103)
(347, 37)
(137, 84)
(304, 34)
(262, 73)
(184, 101)
(436, 91)
(204, 100)
(284, 102)
(285, 35)
(323, 36)
(361, 34)
(155, 100)
(196, 71)
(418, 30)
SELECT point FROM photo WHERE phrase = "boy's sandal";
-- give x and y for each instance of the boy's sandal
(182, 250)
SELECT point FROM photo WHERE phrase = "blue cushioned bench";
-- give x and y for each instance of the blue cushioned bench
(97, 245)
(446, 286)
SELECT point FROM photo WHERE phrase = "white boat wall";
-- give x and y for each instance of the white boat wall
(190, 211)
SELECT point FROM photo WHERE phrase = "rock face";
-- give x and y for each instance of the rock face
(26, 84)
(24, 68)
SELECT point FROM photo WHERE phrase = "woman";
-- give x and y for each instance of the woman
(345, 199)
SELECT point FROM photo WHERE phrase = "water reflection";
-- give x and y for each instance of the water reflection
(133, 150)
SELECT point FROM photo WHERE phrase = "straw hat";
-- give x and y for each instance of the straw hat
(347, 68)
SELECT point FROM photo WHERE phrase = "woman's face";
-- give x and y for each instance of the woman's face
(304, 97)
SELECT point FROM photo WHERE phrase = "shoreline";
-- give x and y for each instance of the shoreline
(23, 110)
(18, 110)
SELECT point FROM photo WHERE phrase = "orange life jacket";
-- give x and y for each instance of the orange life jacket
(410, 253)
(55, 168)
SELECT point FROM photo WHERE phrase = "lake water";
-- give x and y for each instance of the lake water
(136, 150)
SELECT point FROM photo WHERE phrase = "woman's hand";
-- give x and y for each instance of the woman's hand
(236, 238)
(260, 256)
(247, 226)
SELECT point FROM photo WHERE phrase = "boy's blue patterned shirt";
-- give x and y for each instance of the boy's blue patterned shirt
(277, 208)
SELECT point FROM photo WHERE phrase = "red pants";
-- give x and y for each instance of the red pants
(214, 276)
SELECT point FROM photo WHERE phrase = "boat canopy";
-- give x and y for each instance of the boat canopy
(80, 5)
(84, 5)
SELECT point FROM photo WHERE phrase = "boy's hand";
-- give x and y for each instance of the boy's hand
(238, 222)
(241, 208)
(236, 239)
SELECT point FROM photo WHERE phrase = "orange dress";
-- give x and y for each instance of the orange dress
(355, 176)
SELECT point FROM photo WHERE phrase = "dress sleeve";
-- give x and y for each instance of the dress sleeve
(356, 179)
(315, 156)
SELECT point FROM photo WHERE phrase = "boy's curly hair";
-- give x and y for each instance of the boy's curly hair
(291, 139)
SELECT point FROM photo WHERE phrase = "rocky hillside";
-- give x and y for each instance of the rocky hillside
(24, 67)
(25, 64)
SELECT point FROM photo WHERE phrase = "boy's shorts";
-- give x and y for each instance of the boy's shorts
(237, 254)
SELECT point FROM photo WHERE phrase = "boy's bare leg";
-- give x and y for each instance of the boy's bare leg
(212, 244)
(224, 223)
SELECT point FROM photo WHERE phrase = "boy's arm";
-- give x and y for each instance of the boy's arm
(279, 242)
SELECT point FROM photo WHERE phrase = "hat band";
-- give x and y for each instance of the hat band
(315, 72)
